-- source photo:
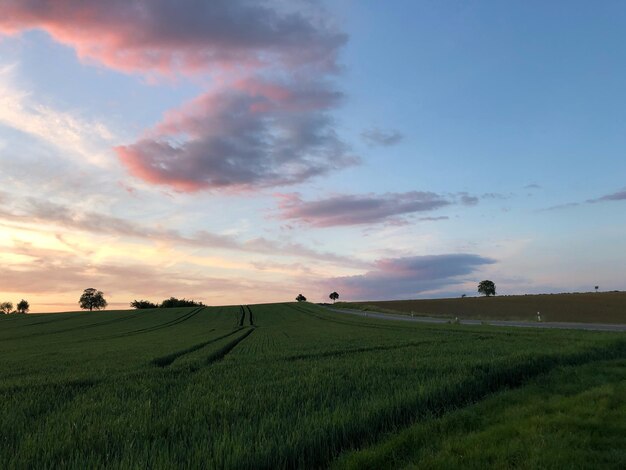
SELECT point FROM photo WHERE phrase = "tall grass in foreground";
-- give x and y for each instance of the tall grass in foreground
(572, 417)
(295, 387)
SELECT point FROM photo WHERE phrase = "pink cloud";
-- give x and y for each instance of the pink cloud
(187, 35)
(353, 209)
(256, 133)
(266, 120)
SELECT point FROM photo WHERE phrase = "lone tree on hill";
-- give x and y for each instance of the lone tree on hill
(597, 287)
(301, 298)
(22, 306)
(333, 296)
(91, 299)
(6, 307)
(487, 288)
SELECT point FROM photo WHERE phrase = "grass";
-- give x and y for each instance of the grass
(571, 417)
(604, 307)
(291, 386)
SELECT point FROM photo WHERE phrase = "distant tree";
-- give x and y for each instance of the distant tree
(487, 288)
(173, 302)
(463, 296)
(22, 306)
(6, 307)
(333, 296)
(597, 287)
(92, 299)
(141, 304)
(301, 298)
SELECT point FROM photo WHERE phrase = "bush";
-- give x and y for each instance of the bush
(173, 302)
(141, 304)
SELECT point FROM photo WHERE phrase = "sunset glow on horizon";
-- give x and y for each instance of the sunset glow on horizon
(245, 152)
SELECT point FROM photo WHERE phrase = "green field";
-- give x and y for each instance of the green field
(603, 307)
(303, 388)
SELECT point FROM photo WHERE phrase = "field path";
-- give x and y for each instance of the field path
(521, 324)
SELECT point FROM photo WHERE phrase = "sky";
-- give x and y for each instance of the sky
(239, 151)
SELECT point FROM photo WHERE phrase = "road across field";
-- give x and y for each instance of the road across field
(521, 324)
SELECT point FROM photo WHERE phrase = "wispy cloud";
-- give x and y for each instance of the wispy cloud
(54, 271)
(357, 209)
(70, 133)
(360, 209)
(617, 196)
(467, 199)
(35, 211)
(611, 197)
(379, 137)
(496, 196)
(560, 206)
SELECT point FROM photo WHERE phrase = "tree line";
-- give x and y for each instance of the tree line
(22, 307)
(93, 299)
(172, 302)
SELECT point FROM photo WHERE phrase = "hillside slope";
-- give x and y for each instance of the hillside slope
(605, 307)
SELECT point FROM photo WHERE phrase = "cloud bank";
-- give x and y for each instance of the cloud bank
(401, 278)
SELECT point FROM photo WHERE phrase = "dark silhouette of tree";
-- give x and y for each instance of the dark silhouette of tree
(463, 296)
(92, 299)
(333, 296)
(301, 298)
(6, 307)
(173, 302)
(141, 304)
(487, 288)
(597, 287)
(22, 306)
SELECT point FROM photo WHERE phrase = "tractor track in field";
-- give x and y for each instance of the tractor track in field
(222, 352)
(164, 361)
(176, 321)
(344, 352)
(74, 317)
(45, 322)
(479, 386)
(250, 318)
(347, 322)
(242, 315)
(81, 327)
(389, 327)
(215, 356)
